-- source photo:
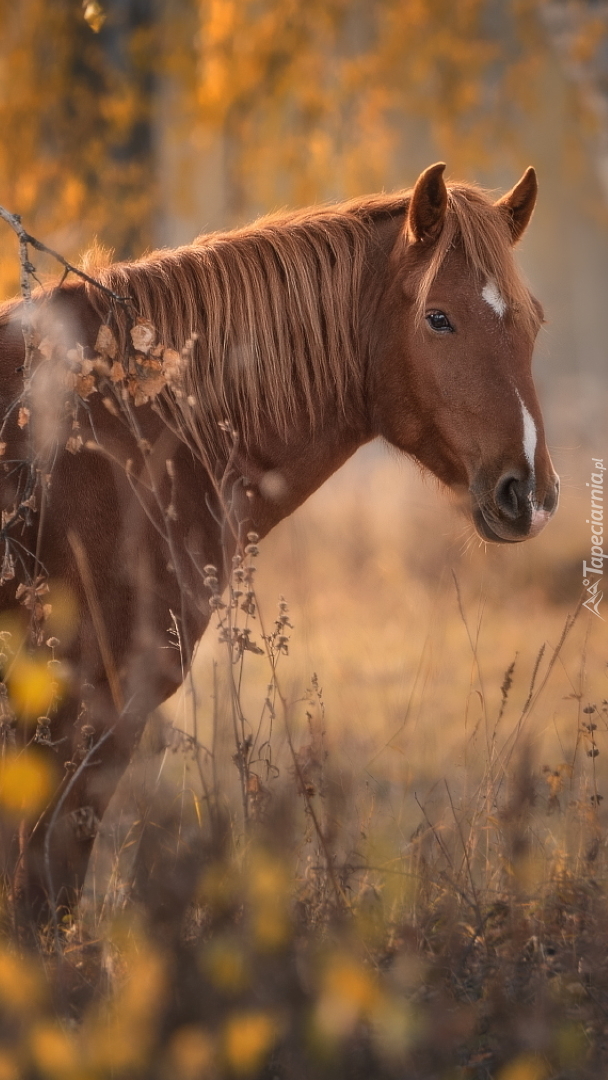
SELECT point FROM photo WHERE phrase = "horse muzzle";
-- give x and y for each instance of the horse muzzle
(511, 512)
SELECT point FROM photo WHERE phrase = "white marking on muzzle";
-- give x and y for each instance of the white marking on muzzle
(538, 522)
(492, 297)
(530, 436)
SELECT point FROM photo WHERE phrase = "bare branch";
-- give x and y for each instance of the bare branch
(25, 239)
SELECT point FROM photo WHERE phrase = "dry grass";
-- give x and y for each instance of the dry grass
(395, 868)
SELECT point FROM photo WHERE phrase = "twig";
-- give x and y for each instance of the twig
(466, 856)
(434, 832)
(27, 270)
(97, 618)
(47, 839)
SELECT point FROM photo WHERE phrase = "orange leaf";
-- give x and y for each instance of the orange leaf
(118, 373)
(94, 15)
(143, 335)
(85, 385)
(106, 342)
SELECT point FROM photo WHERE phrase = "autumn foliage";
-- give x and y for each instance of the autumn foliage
(304, 101)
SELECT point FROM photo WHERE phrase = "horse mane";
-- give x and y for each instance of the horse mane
(269, 313)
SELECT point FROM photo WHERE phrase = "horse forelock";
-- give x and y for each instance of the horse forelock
(475, 223)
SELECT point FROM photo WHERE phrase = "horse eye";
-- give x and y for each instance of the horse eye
(440, 322)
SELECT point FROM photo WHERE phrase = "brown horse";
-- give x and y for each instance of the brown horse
(259, 361)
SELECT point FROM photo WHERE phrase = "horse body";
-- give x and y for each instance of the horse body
(400, 316)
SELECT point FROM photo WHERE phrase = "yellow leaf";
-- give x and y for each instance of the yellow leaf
(94, 15)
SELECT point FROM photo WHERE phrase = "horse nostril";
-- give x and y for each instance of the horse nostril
(510, 496)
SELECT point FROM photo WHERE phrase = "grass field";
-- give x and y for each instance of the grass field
(376, 848)
(410, 624)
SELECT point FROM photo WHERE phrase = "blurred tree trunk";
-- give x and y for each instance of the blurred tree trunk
(130, 42)
(578, 30)
(77, 120)
(178, 116)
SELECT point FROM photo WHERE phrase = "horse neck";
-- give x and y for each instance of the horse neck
(276, 476)
(281, 472)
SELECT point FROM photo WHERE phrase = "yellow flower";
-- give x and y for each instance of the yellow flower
(26, 783)
(32, 686)
(248, 1037)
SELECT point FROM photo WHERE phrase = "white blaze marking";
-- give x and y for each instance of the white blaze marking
(530, 435)
(492, 297)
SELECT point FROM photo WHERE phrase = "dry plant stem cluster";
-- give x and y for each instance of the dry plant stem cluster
(32, 489)
(150, 369)
(36, 479)
(500, 789)
(236, 618)
(125, 381)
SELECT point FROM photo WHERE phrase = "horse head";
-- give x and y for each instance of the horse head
(453, 376)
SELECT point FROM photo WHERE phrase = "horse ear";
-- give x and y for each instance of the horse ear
(428, 204)
(518, 203)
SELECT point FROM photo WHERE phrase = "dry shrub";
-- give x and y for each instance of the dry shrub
(270, 915)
